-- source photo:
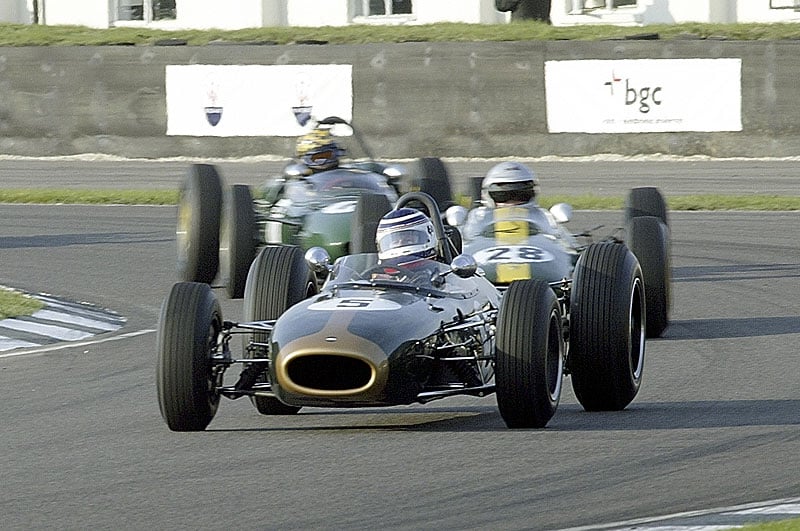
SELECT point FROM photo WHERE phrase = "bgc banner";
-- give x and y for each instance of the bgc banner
(255, 100)
(643, 95)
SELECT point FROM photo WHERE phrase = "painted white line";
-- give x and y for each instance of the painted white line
(6, 343)
(686, 528)
(639, 522)
(57, 332)
(63, 346)
(78, 308)
(784, 508)
(71, 318)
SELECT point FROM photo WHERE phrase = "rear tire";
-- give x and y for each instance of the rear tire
(197, 231)
(432, 177)
(529, 364)
(238, 236)
(648, 238)
(646, 201)
(607, 327)
(368, 213)
(278, 279)
(189, 325)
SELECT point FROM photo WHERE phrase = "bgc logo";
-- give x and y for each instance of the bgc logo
(644, 97)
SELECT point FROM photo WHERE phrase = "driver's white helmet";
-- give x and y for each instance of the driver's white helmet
(509, 182)
(405, 233)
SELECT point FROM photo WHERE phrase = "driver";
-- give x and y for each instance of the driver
(406, 242)
(508, 192)
(318, 150)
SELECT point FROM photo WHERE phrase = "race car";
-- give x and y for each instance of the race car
(521, 242)
(220, 229)
(372, 337)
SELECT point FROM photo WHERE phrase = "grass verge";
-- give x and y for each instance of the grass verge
(13, 303)
(36, 35)
(764, 202)
(781, 525)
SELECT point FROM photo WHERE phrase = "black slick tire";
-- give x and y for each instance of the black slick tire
(189, 325)
(238, 236)
(529, 364)
(648, 238)
(278, 279)
(646, 201)
(197, 232)
(433, 178)
(607, 327)
(370, 208)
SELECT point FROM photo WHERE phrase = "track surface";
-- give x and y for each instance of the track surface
(715, 424)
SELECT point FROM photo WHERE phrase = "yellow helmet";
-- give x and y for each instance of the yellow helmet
(318, 150)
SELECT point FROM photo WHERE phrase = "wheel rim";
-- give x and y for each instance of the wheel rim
(182, 229)
(213, 377)
(225, 248)
(555, 362)
(636, 335)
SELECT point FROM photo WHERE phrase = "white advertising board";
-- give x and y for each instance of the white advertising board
(255, 100)
(643, 95)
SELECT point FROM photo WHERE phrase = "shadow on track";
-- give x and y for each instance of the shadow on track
(734, 272)
(732, 327)
(65, 240)
(570, 417)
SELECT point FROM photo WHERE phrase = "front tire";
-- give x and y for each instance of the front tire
(607, 327)
(189, 325)
(529, 363)
(197, 231)
(278, 279)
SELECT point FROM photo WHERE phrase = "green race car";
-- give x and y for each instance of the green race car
(220, 228)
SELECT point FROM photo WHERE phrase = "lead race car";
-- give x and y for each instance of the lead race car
(368, 340)
(335, 206)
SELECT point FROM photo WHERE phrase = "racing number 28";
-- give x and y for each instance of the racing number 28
(516, 254)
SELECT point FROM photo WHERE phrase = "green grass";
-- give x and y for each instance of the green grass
(89, 197)
(35, 35)
(14, 303)
(782, 525)
(578, 202)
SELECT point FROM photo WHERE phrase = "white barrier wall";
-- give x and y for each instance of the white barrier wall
(754, 12)
(237, 14)
(468, 11)
(15, 11)
(92, 13)
(317, 13)
(228, 15)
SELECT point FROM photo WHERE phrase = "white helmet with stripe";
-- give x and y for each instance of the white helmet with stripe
(405, 233)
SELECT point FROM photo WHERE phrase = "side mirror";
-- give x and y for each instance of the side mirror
(296, 170)
(464, 266)
(318, 260)
(562, 212)
(394, 171)
(456, 215)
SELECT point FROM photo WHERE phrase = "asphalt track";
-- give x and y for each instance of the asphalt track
(717, 421)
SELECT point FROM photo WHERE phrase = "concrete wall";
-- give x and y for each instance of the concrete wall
(410, 99)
